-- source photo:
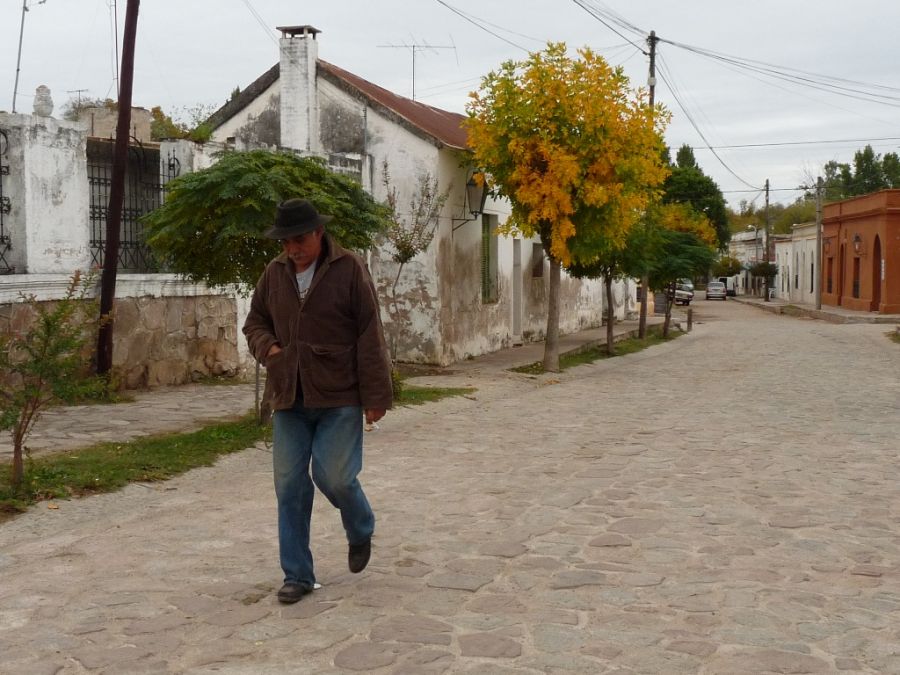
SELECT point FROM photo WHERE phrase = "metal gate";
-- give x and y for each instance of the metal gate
(5, 205)
(145, 184)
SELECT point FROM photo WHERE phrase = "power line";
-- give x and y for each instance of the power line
(788, 143)
(481, 26)
(605, 19)
(690, 119)
(260, 21)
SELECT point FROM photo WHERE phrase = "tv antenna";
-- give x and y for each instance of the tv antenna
(413, 48)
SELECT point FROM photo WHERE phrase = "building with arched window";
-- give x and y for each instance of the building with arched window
(861, 253)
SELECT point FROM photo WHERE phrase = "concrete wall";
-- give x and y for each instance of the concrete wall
(47, 186)
(101, 122)
(166, 331)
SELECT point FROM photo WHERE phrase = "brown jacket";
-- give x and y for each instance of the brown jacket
(333, 340)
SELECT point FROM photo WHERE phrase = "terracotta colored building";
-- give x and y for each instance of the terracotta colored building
(861, 253)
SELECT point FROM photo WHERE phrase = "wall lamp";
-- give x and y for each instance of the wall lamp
(476, 196)
(857, 244)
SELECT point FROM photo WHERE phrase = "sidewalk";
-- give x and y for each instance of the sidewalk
(827, 313)
(192, 406)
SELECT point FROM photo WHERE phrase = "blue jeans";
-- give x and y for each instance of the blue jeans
(331, 438)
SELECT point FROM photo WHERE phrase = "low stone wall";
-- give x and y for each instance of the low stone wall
(171, 340)
(166, 332)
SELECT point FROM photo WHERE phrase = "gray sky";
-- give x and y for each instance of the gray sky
(194, 52)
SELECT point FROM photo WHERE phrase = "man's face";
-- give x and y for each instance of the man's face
(304, 249)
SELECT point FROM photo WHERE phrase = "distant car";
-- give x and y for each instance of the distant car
(715, 290)
(682, 297)
(686, 285)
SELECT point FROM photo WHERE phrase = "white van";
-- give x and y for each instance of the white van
(730, 285)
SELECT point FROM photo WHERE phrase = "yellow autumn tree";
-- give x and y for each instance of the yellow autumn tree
(577, 153)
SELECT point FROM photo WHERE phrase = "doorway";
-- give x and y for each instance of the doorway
(877, 264)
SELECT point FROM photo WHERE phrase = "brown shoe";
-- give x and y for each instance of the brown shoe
(359, 555)
(291, 592)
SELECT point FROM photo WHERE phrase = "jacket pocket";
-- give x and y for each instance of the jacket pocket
(330, 368)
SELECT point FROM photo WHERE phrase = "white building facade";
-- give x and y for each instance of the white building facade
(475, 289)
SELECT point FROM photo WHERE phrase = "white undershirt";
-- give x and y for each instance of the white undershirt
(304, 279)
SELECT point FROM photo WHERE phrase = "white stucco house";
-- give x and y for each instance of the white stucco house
(749, 248)
(795, 256)
(473, 290)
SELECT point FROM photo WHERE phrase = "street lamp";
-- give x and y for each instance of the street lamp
(755, 229)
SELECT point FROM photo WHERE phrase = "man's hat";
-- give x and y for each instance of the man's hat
(295, 217)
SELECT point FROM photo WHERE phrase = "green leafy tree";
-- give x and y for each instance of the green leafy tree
(681, 245)
(211, 226)
(72, 108)
(868, 172)
(783, 218)
(687, 184)
(727, 266)
(577, 154)
(45, 364)
(681, 255)
(192, 124)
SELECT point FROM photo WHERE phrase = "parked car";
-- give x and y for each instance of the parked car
(729, 285)
(715, 290)
(682, 297)
(684, 292)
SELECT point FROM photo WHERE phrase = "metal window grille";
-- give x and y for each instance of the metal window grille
(488, 260)
(5, 206)
(145, 181)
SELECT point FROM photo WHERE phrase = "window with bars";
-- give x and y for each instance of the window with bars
(489, 271)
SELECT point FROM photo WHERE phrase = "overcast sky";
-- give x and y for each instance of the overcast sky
(192, 52)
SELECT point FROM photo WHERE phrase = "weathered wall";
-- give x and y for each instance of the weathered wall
(794, 257)
(101, 122)
(242, 123)
(164, 333)
(47, 186)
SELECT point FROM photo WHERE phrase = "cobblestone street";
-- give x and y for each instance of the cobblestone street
(723, 503)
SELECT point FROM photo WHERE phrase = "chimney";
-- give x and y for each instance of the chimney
(299, 52)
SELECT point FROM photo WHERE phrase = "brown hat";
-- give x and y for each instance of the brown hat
(295, 217)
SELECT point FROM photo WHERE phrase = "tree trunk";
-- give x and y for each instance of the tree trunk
(18, 464)
(551, 343)
(116, 194)
(610, 315)
(645, 298)
(670, 301)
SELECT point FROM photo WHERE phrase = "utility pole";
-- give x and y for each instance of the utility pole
(117, 194)
(766, 242)
(645, 278)
(819, 276)
(19, 58)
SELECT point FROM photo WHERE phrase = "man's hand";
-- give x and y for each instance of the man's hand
(273, 350)
(374, 414)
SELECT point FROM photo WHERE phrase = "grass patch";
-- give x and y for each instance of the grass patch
(895, 336)
(412, 395)
(597, 352)
(106, 467)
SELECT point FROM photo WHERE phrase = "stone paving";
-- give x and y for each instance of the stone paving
(724, 503)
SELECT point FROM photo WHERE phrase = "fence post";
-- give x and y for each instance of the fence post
(690, 314)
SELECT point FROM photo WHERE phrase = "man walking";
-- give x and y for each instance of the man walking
(314, 324)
